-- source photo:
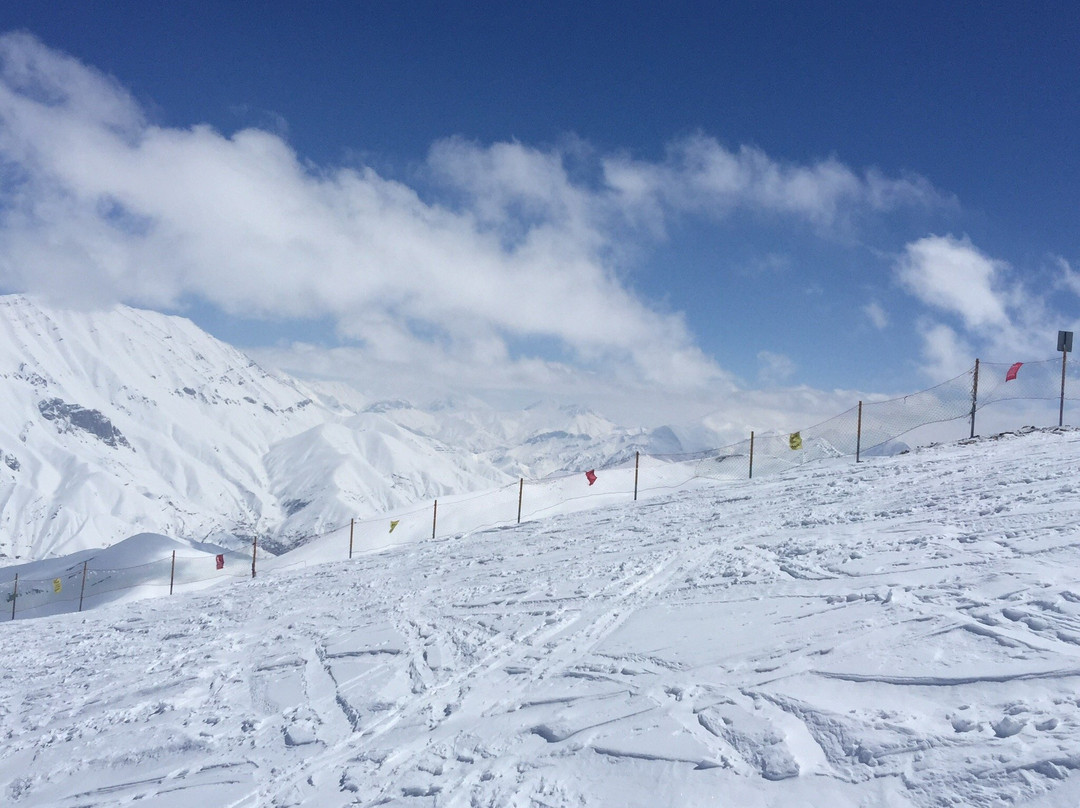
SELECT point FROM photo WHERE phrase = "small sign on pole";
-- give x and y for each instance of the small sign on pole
(1065, 341)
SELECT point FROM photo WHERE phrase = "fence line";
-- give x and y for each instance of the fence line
(863, 430)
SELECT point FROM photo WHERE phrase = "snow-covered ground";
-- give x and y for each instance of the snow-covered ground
(902, 632)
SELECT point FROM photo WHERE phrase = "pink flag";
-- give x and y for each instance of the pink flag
(590, 476)
(221, 562)
(1013, 371)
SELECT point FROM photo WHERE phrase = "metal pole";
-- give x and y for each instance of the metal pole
(1061, 409)
(751, 454)
(254, 548)
(974, 397)
(637, 462)
(521, 493)
(352, 523)
(83, 589)
(434, 518)
(172, 572)
(14, 596)
(858, 435)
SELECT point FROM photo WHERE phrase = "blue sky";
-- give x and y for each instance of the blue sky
(590, 199)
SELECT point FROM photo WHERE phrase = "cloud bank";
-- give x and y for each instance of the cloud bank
(509, 248)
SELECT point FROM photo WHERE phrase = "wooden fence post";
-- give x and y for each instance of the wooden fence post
(521, 493)
(637, 462)
(858, 435)
(172, 572)
(751, 454)
(352, 524)
(14, 596)
(434, 518)
(974, 397)
(83, 589)
(1061, 408)
(254, 549)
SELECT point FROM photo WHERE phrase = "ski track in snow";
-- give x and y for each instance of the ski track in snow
(905, 632)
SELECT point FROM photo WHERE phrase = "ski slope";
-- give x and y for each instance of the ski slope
(901, 632)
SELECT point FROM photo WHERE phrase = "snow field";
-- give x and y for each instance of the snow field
(904, 632)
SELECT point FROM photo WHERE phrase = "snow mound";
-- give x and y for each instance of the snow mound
(144, 565)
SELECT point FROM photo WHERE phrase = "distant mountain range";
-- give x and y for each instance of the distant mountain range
(124, 421)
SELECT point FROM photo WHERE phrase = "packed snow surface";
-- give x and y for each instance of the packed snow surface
(901, 632)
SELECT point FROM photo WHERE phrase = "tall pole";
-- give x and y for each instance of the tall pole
(172, 572)
(751, 454)
(637, 462)
(521, 493)
(352, 523)
(82, 590)
(1061, 409)
(14, 596)
(254, 548)
(434, 518)
(858, 435)
(974, 397)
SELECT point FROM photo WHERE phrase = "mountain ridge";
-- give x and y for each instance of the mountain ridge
(120, 421)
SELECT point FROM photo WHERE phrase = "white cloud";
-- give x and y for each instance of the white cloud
(1068, 278)
(101, 205)
(701, 175)
(774, 368)
(947, 354)
(876, 314)
(108, 207)
(952, 275)
(996, 317)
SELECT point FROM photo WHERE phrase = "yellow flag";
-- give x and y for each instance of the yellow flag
(795, 440)
(393, 524)
(56, 586)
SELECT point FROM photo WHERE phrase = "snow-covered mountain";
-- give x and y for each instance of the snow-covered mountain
(539, 441)
(123, 421)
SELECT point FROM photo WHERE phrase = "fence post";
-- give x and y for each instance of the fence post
(974, 397)
(352, 523)
(751, 454)
(637, 462)
(521, 493)
(858, 435)
(434, 518)
(82, 590)
(172, 572)
(1061, 408)
(14, 596)
(254, 548)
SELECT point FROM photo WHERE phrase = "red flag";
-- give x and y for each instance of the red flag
(221, 562)
(590, 476)
(1013, 371)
